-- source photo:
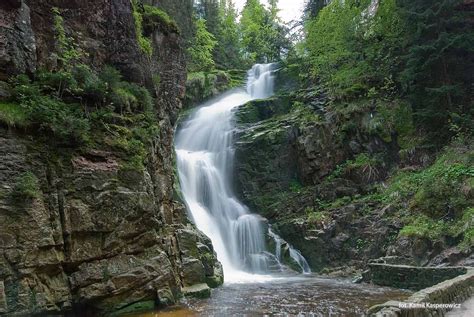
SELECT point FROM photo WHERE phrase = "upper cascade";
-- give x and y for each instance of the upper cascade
(261, 80)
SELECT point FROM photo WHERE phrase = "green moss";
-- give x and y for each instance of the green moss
(367, 166)
(139, 307)
(26, 187)
(305, 114)
(424, 227)
(465, 227)
(316, 217)
(154, 18)
(13, 115)
(144, 42)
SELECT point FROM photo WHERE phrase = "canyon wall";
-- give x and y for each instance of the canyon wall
(95, 237)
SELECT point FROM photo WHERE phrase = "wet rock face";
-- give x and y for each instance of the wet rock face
(91, 237)
(181, 11)
(104, 29)
(282, 158)
(17, 40)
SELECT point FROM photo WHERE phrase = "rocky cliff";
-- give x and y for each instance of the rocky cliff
(338, 182)
(79, 233)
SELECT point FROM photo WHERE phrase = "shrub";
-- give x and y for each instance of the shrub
(65, 121)
(90, 88)
(56, 83)
(316, 217)
(141, 94)
(26, 187)
(69, 53)
(440, 194)
(13, 115)
(424, 227)
(111, 77)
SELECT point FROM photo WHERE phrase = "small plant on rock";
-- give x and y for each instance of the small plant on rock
(26, 187)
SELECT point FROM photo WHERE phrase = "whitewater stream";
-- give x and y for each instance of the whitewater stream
(256, 282)
(205, 154)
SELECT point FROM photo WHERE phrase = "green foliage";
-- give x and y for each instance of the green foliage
(295, 186)
(26, 187)
(410, 49)
(200, 52)
(60, 102)
(437, 191)
(305, 114)
(352, 50)
(424, 227)
(221, 21)
(13, 115)
(438, 73)
(133, 137)
(363, 164)
(259, 36)
(199, 86)
(68, 52)
(465, 228)
(437, 199)
(155, 18)
(228, 51)
(368, 166)
(316, 217)
(435, 196)
(461, 229)
(143, 41)
(65, 121)
(263, 37)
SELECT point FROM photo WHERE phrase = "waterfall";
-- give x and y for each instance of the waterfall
(205, 154)
(296, 255)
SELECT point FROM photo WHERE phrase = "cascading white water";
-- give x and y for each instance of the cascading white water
(294, 254)
(204, 147)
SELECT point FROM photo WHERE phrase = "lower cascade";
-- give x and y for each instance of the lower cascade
(205, 154)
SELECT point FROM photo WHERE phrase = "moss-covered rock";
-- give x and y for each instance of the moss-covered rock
(201, 86)
(332, 182)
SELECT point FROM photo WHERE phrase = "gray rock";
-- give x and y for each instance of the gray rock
(3, 298)
(95, 236)
(17, 40)
(197, 290)
(4, 90)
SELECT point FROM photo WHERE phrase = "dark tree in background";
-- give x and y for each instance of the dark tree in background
(438, 76)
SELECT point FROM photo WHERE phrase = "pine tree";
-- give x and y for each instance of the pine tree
(200, 52)
(228, 52)
(263, 37)
(439, 64)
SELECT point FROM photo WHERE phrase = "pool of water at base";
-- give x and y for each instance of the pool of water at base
(294, 296)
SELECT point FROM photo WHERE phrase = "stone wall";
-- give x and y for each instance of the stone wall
(453, 291)
(410, 277)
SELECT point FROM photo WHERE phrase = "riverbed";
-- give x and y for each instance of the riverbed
(290, 296)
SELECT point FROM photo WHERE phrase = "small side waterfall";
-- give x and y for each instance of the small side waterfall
(294, 254)
(205, 154)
